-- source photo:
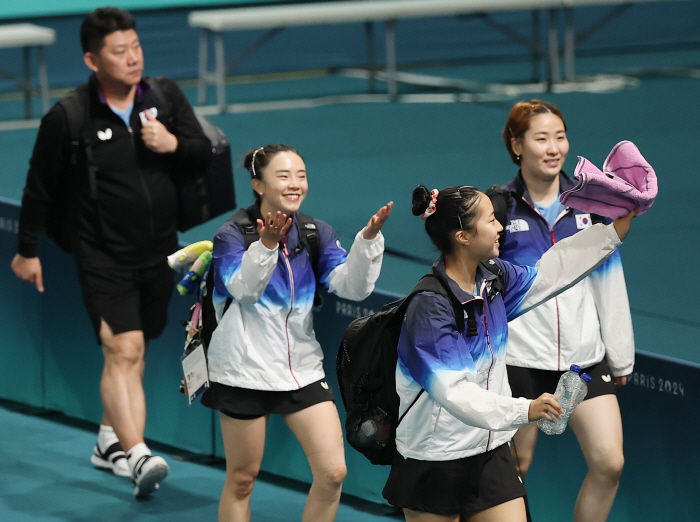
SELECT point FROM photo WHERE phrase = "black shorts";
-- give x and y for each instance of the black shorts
(531, 382)
(451, 487)
(128, 299)
(243, 403)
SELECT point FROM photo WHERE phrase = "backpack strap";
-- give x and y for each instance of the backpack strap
(76, 106)
(430, 283)
(596, 218)
(498, 285)
(162, 101)
(502, 202)
(310, 239)
(247, 226)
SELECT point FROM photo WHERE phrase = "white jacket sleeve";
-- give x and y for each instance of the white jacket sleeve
(438, 358)
(610, 295)
(257, 266)
(481, 408)
(355, 278)
(569, 261)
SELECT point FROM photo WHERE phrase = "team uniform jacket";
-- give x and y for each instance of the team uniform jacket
(585, 323)
(132, 219)
(265, 339)
(469, 409)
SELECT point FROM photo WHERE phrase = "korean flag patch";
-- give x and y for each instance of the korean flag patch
(583, 221)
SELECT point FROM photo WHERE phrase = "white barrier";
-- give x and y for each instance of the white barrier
(29, 36)
(214, 23)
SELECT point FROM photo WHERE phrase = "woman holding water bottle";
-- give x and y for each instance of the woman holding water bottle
(588, 325)
(452, 459)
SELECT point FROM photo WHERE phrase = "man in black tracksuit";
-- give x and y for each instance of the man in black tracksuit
(121, 219)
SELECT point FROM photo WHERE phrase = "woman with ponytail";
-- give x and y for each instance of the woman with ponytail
(453, 459)
(589, 325)
(263, 356)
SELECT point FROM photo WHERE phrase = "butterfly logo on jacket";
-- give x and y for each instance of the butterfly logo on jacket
(105, 134)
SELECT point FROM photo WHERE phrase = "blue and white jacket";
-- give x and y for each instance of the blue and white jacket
(265, 339)
(469, 408)
(585, 323)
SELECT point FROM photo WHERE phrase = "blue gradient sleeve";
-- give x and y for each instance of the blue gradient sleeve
(517, 280)
(332, 253)
(611, 266)
(430, 345)
(229, 247)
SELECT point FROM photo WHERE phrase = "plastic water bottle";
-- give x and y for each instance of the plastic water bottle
(571, 390)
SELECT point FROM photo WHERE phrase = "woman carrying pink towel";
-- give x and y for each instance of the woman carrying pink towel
(588, 325)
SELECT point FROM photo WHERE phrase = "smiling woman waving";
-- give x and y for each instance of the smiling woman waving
(263, 356)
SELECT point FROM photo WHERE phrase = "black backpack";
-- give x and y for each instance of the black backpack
(366, 368)
(501, 201)
(209, 195)
(212, 193)
(309, 239)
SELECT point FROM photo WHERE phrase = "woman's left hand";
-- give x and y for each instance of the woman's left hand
(377, 221)
(620, 381)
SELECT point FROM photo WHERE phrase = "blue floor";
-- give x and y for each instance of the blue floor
(46, 476)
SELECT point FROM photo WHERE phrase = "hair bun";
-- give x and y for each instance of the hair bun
(421, 200)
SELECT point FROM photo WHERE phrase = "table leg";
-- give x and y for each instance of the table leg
(43, 79)
(203, 80)
(554, 74)
(391, 58)
(569, 45)
(220, 73)
(371, 63)
(27, 87)
(535, 46)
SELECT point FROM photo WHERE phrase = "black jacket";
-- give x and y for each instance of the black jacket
(131, 219)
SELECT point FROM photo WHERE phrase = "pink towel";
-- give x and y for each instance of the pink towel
(627, 182)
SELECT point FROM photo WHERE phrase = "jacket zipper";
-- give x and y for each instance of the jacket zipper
(556, 299)
(291, 307)
(488, 374)
(145, 188)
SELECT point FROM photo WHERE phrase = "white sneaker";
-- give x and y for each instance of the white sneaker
(113, 459)
(148, 472)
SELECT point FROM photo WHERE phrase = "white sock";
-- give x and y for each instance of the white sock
(106, 437)
(135, 454)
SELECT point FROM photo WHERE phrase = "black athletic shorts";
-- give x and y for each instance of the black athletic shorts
(128, 298)
(450, 487)
(531, 382)
(243, 403)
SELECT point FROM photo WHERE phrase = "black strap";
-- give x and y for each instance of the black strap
(309, 238)
(76, 106)
(410, 406)
(498, 286)
(501, 201)
(162, 101)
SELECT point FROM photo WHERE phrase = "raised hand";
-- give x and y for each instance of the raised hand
(156, 136)
(273, 228)
(622, 225)
(377, 221)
